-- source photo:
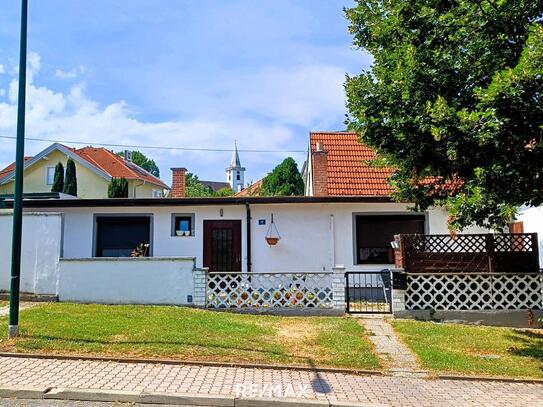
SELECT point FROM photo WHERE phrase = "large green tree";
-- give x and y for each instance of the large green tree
(454, 101)
(195, 189)
(285, 179)
(117, 188)
(144, 162)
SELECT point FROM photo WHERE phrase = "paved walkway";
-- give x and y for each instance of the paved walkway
(4, 311)
(169, 378)
(396, 356)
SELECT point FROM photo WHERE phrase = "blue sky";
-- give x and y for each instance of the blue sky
(180, 73)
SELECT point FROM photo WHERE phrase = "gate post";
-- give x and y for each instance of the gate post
(399, 287)
(200, 286)
(338, 287)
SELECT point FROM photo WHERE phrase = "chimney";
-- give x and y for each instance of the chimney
(178, 183)
(320, 171)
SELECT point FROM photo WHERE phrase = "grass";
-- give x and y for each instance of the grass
(475, 350)
(185, 333)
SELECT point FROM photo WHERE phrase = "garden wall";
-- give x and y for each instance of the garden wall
(148, 280)
(41, 249)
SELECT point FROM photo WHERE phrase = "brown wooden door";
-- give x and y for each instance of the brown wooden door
(222, 245)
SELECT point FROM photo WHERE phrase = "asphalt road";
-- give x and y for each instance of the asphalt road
(68, 403)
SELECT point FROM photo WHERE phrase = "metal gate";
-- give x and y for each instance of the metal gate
(368, 292)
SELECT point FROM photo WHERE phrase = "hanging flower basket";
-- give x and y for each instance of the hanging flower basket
(272, 241)
(272, 236)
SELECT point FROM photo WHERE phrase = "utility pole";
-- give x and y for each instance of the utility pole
(13, 327)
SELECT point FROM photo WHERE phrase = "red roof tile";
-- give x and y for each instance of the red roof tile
(10, 168)
(251, 190)
(115, 165)
(347, 172)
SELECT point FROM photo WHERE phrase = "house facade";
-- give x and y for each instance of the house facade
(95, 167)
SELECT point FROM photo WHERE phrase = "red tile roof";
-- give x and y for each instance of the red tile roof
(108, 162)
(10, 168)
(347, 172)
(251, 190)
(115, 165)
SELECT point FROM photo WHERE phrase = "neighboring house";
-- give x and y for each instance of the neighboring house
(337, 165)
(95, 167)
(251, 190)
(216, 185)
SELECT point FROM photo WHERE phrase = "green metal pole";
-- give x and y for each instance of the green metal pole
(13, 327)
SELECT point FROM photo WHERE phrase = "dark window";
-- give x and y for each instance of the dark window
(374, 234)
(183, 224)
(118, 236)
(237, 176)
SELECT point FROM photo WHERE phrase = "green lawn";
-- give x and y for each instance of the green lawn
(185, 333)
(475, 350)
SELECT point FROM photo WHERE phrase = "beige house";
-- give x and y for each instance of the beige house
(95, 167)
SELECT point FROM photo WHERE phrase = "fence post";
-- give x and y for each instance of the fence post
(489, 238)
(398, 289)
(338, 287)
(200, 286)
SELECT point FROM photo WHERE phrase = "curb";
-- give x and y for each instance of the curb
(500, 379)
(143, 397)
(358, 372)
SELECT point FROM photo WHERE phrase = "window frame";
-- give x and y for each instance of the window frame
(120, 215)
(192, 217)
(47, 175)
(425, 216)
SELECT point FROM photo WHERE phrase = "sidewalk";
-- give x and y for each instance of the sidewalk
(134, 378)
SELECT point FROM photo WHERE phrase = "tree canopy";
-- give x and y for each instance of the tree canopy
(147, 164)
(285, 179)
(454, 101)
(194, 188)
(117, 188)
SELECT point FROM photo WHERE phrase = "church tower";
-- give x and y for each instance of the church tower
(235, 173)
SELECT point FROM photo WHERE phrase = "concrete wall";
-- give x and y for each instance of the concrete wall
(315, 236)
(127, 280)
(532, 219)
(41, 249)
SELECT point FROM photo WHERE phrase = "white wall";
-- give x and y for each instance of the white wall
(305, 229)
(41, 249)
(532, 218)
(127, 280)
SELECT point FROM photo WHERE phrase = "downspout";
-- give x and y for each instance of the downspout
(332, 242)
(249, 263)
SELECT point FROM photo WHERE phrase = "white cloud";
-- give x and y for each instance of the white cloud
(2, 69)
(71, 74)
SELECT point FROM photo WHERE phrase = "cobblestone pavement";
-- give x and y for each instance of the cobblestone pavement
(397, 357)
(371, 389)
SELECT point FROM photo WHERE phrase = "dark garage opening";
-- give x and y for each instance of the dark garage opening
(118, 236)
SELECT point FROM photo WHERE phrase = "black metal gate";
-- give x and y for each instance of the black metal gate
(368, 292)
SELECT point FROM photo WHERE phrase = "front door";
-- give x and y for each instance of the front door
(222, 245)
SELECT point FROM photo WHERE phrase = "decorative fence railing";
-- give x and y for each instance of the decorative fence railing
(270, 290)
(489, 253)
(474, 291)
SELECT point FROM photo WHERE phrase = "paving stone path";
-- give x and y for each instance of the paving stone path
(396, 356)
(4, 311)
(210, 380)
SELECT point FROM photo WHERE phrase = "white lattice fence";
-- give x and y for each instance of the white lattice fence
(474, 291)
(269, 290)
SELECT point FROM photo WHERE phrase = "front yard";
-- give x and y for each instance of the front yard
(474, 350)
(185, 333)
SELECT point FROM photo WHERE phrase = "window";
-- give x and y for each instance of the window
(237, 176)
(375, 232)
(118, 236)
(157, 193)
(183, 224)
(50, 175)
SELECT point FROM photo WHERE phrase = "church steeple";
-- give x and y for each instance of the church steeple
(235, 173)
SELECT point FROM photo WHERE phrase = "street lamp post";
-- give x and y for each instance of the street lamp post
(13, 327)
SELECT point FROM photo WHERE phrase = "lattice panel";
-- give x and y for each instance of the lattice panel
(474, 292)
(269, 290)
(513, 243)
